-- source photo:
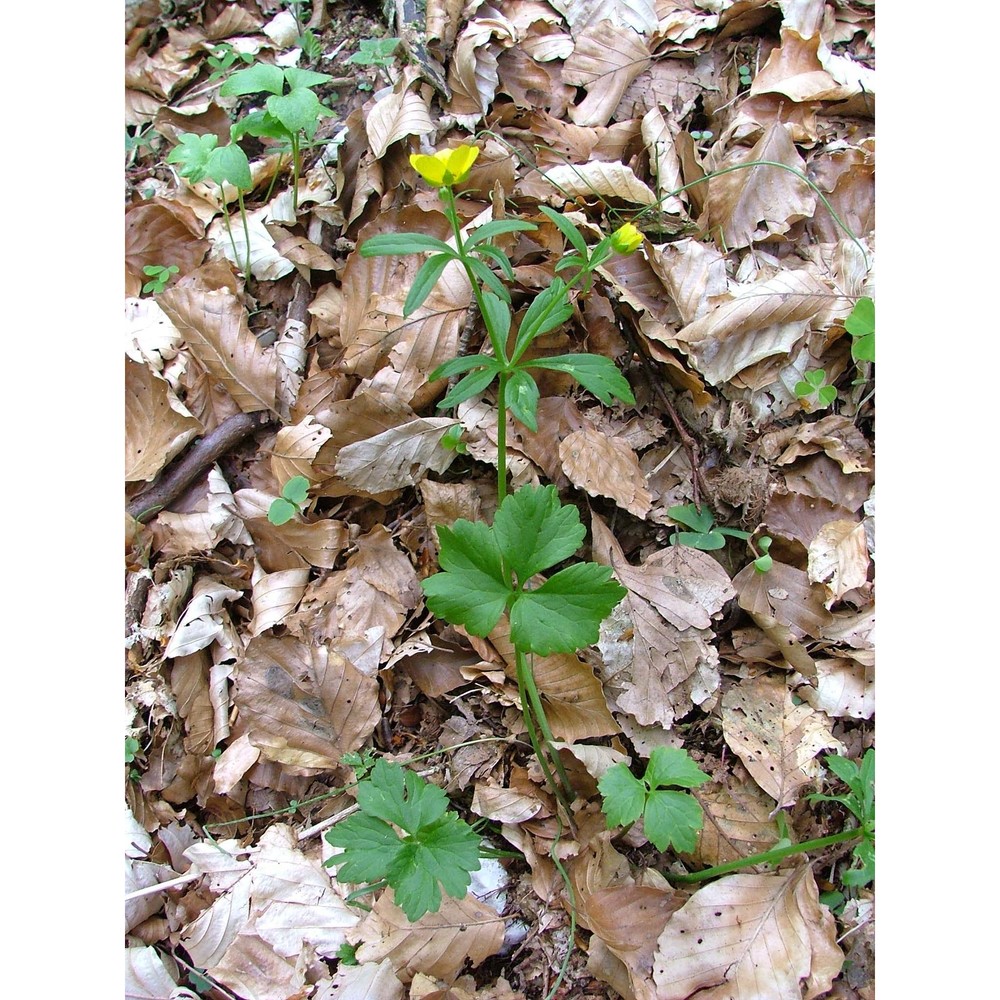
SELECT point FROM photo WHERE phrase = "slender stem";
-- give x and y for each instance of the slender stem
(529, 724)
(295, 173)
(229, 228)
(246, 229)
(770, 857)
(502, 379)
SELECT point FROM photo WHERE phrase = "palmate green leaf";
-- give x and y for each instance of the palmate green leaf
(424, 282)
(673, 766)
(400, 796)
(707, 541)
(689, 515)
(260, 78)
(296, 78)
(624, 795)
(672, 818)
(566, 612)
(522, 398)
(861, 322)
(458, 365)
(298, 111)
(472, 590)
(191, 154)
(594, 372)
(370, 847)
(535, 531)
(400, 244)
(262, 125)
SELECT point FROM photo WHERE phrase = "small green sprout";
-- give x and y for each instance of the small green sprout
(861, 326)
(763, 562)
(346, 954)
(222, 59)
(702, 135)
(815, 382)
(452, 440)
(311, 46)
(293, 495)
(374, 52)
(746, 76)
(131, 748)
(669, 817)
(158, 277)
(704, 534)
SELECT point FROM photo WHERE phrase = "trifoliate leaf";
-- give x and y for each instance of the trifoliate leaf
(672, 818)
(624, 795)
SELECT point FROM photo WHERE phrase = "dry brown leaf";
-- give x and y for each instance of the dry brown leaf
(605, 466)
(162, 232)
(843, 688)
(254, 969)
(295, 447)
(694, 274)
(305, 706)
(748, 206)
(504, 805)
(213, 323)
(146, 977)
(212, 521)
(535, 84)
(275, 596)
(161, 74)
(606, 59)
(398, 457)
(776, 739)
(150, 338)
(663, 161)
(761, 320)
(835, 434)
(395, 116)
(189, 683)
(750, 936)
(838, 558)
(438, 944)
(371, 981)
(581, 14)
(598, 180)
(157, 424)
(204, 619)
(472, 73)
(794, 71)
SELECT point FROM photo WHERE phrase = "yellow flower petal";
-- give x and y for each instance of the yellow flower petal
(446, 166)
(460, 160)
(431, 168)
(626, 239)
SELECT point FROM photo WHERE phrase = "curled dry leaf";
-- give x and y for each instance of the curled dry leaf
(146, 977)
(605, 466)
(749, 936)
(838, 558)
(693, 273)
(295, 448)
(213, 323)
(304, 706)
(503, 805)
(395, 116)
(606, 59)
(663, 161)
(776, 739)
(472, 74)
(204, 619)
(834, 434)
(793, 69)
(843, 688)
(598, 180)
(161, 232)
(371, 981)
(157, 425)
(275, 596)
(437, 944)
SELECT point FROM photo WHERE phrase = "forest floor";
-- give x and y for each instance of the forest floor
(275, 667)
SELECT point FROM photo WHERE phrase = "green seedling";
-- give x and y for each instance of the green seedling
(702, 135)
(746, 76)
(704, 534)
(374, 52)
(361, 763)
(293, 496)
(222, 59)
(861, 326)
(436, 851)
(158, 277)
(291, 109)
(763, 562)
(311, 46)
(814, 382)
(860, 801)
(347, 954)
(201, 156)
(132, 747)
(670, 818)
(452, 440)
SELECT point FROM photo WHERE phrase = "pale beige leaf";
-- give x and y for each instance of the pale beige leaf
(150, 337)
(580, 14)
(503, 805)
(238, 757)
(438, 944)
(793, 69)
(843, 688)
(275, 596)
(141, 875)
(295, 447)
(202, 529)
(664, 163)
(395, 116)
(835, 434)
(737, 820)
(253, 969)
(266, 264)
(472, 73)
(371, 981)
(752, 937)
(783, 595)
(214, 326)
(397, 457)
(694, 273)
(776, 739)
(597, 760)
(204, 619)
(606, 180)
(155, 428)
(838, 558)
(606, 467)
(207, 938)
(146, 978)
(605, 61)
(749, 205)
(189, 683)
(304, 706)
(761, 320)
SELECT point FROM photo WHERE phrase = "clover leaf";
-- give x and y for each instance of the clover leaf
(437, 850)
(487, 570)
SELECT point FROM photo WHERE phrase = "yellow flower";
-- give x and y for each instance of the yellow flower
(446, 166)
(626, 239)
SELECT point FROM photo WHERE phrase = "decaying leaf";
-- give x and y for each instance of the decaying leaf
(838, 558)
(776, 739)
(605, 466)
(749, 936)
(599, 180)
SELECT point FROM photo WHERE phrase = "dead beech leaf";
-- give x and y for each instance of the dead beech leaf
(503, 805)
(252, 968)
(606, 59)
(748, 206)
(597, 179)
(146, 977)
(472, 73)
(438, 944)
(843, 688)
(213, 323)
(371, 981)
(835, 434)
(266, 264)
(750, 936)
(398, 457)
(760, 321)
(275, 596)
(304, 705)
(693, 273)
(605, 466)
(189, 682)
(838, 558)
(204, 619)
(156, 427)
(162, 232)
(664, 163)
(793, 69)
(394, 117)
(776, 739)
(295, 447)
(150, 337)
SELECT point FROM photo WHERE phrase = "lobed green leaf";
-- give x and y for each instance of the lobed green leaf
(624, 795)
(673, 766)
(672, 818)
(534, 530)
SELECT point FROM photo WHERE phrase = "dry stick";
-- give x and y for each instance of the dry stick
(694, 452)
(199, 456)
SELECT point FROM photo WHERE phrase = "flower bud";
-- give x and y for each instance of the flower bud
(626, 239)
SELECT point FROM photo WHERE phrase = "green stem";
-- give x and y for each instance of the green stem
(295, 173)
(246, 229)
(770, 857)
(229, 228)
(502, 379)
(529, 724)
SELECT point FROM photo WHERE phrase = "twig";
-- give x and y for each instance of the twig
(152, 890)
(199, 457)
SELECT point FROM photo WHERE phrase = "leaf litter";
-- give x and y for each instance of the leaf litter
(261, 657)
